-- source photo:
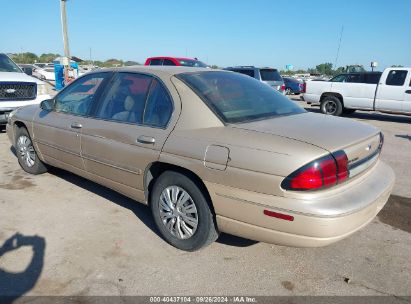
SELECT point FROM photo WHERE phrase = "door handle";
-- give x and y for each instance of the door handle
(408, 91)
(146, 140)
(76, 125)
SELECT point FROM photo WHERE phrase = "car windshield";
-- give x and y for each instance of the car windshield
(192, 63)
(237, 98)
(270, 75)
(7, 65)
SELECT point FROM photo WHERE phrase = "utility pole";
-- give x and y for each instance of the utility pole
(66, 59)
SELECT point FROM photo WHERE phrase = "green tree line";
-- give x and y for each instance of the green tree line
(30, 58)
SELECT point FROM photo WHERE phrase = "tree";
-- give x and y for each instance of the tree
(47, 57)
(397, 66)
(325, 68)
(130, 63)
(24, 57)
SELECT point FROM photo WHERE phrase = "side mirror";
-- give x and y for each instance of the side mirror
(47, 104)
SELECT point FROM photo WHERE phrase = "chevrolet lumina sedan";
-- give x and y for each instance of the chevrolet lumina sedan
(210, 151)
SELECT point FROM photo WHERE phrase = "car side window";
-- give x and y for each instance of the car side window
(339, 78)
(156, 62)
(78, 97)
(396, 77)
(168, 62)
(246, 72)
(125, 98)
(373, 78)
(159, 106)
(356, 78)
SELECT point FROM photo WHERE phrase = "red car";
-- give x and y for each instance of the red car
(176, 61)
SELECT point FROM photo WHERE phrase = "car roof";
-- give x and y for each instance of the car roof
(157, 69)
(170, 57)
(248, 67)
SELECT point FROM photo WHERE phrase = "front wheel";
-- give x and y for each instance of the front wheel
(26, 154)
(181, 212)
(331, 105)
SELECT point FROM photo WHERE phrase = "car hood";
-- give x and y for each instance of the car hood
(327, 132)
(18, 77)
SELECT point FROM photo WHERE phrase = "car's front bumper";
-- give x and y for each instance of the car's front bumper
(241, 213)
(7, 106)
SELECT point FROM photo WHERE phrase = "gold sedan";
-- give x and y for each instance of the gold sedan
(210, 151)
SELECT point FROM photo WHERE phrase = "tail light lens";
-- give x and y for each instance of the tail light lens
(322, 173)
(304, 88)
(282, 89)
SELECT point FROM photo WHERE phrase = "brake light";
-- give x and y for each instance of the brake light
(304, 88)
(282, 89)
(322, 173)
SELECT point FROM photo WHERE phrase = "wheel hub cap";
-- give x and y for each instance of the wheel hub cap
(178, 212)
(26, 150)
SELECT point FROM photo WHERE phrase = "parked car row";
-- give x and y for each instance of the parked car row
(267, 75)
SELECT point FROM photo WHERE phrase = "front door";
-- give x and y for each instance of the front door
(129, 128)
(57, 132)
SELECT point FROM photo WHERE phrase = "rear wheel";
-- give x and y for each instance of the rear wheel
(26, 154)
(331, 105)
(181, 212)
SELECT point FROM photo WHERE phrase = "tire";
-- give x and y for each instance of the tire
(26, 154)
(348, 111)
(194, 216)
(331, 105)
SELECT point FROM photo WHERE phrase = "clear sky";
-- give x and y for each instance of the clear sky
(222, 32)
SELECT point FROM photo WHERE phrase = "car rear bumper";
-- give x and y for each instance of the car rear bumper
(243, 216)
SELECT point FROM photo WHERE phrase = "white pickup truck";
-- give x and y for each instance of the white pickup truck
(17, 89)
(389, 91)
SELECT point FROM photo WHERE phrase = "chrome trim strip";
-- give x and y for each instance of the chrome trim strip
(112, 165)
(36, 141)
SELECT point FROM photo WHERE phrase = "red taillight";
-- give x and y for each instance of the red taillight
(321, 173)
(342, 164)
(282, 88)
(304, 89)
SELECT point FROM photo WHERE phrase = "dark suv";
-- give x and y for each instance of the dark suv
(269, 76)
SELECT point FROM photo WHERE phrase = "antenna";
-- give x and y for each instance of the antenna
(339, 46)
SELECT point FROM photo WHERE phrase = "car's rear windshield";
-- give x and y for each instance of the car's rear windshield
(192, 63)
(238, 98)
(270, 75)
(7, 65)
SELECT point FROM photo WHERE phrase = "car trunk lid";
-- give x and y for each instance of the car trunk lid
(359, 141)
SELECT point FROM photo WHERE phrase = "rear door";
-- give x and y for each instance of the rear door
(57, 132)
(127, 131)
(391, 90)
